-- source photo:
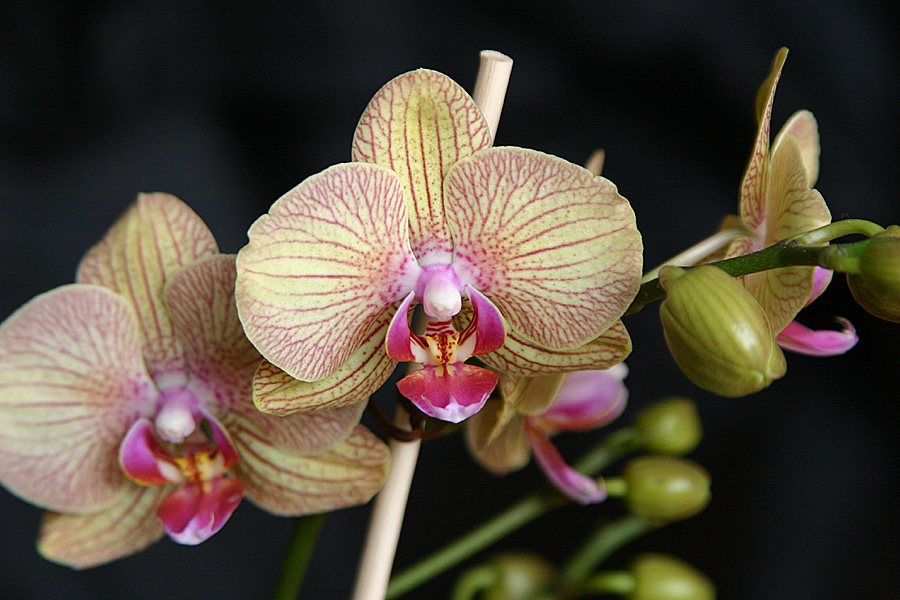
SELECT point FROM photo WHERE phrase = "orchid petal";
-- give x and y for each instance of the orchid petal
(821, 279)
(287, 483)
(586, 400)
(490, 329)
(824, 342)
(519, 356)
(304, 433)
(222, 439)
(72, 381)
(418, 125)
(523, 395)
(753, 185)
(200, 299)
(575, 485)
(143, 458)
(555, 248)
(82, 541)
(194, 513)
(277, 393)
(802, 125)
(327, 261)
(449, 392)
(498, 449)
(399, 335)
(155, 236)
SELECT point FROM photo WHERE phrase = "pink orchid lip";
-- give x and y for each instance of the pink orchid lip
(575, 485)
(195, 512)
(823, 342)
(452, 392)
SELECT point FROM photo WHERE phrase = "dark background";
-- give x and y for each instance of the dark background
(228, 105)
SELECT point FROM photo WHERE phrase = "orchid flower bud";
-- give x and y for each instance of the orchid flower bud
(663, 488)
(519, 576)
(665, 577)
(670, 426)
(877, 285)
(717, 332)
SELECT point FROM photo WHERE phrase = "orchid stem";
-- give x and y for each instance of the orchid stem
(300, 549)
(514, 517)
(607, 539)
(390, 504)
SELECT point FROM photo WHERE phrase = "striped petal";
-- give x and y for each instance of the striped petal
(524, 358)
(72, 381)
(288, 483)
(323, 267)
(753, 185)
(277, 393)
(200, 299)
(157, 235)
(555, 248)
(803, 126)
(418, 125)
(305, 433)
(126, 527)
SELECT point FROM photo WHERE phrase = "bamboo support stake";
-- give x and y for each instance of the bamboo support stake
(390, 505)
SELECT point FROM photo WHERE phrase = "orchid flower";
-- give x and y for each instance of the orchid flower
(125, 403)
(778, 201)
(503, 436)
(515, 256)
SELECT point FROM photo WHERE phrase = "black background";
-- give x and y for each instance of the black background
(228, 105)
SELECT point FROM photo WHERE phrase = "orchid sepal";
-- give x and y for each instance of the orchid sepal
(821, 342)
(577, 486)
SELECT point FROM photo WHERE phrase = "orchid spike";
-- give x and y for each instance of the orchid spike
(778, 201)
(531, 410)
(125, 402)
(517, 257)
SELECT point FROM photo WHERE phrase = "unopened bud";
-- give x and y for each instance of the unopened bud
(877, 285)
(717, 332)
(670, 426)
(665, 577)
(663, 488)
(519, 576)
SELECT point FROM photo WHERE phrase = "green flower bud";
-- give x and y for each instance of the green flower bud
(519, 576)
(717, 332)
(877, 285)
(664, 577)
(670, 426)
(663, 488)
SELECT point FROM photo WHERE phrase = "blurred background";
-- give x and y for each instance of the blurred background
(230, 104)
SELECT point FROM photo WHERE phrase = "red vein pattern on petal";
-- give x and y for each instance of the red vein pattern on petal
(126, 527)
(72, 380)
(418, 125)
(521, 357)
(327, 261)
(157, 234)
(754, 182)
(200, 299)
(555, 248)
(275, 392)
(304, 433)
(286, 483)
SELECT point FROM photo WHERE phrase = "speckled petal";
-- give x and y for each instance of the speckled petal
(126, 527)
(323, 266)
(157, 235)
(519, 356)
(553, 247)
(72, 381)
(418, 125)
(200, 298)
(287, 483)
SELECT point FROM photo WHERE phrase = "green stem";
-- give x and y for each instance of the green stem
(300, 549)
(804, 249)
(519, 514)
(608, 538)
(473, 581)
